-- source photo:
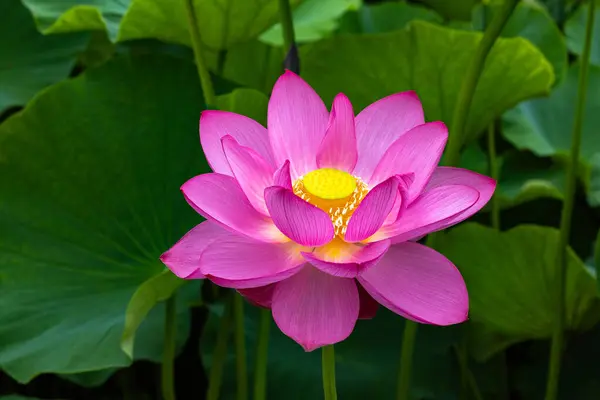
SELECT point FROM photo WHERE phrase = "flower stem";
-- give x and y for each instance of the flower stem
(220, 353)
(205, 81)
(262, 355)
(406, 359)
(494, 172)
(240, 348)
(287, 24)
(467, 90)
(328, 370)
(167, 379)
(567, 211)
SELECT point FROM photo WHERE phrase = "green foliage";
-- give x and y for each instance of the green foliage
(575, 31)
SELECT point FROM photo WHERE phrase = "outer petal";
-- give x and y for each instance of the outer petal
(282, 176)
(297, 121)
(315, 309)
(420, 284)
(338, 148)
(183, 259)
(220, 198)
(443, 176)
(251, 171)
(418, 151)
(372, 211)
(429, 213)
(214, 125)
(381, 124)
(300, 221)
(259, 296)
(368, 305)
(346, 260)
(238, 262)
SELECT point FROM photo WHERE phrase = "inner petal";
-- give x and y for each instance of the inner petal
(336, 192)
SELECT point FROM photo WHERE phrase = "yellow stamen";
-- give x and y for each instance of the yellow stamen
(336, 192)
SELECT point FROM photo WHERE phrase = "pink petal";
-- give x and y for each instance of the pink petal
(338, 148)
(219, 198)
(368, 305)
(381, 124)
(214, 125)
(349, 262)
(183, 259)
(315, 309)
(372, 211)
(418, 151)
(404, 183)
(300, 221)
(297, 121)
(251, 171)
(419, 284)
(443, 176)
(428, 213)
(239, 262)
(259, 296)
(282, 176)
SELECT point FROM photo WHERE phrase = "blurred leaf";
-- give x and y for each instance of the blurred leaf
(544, 126)
(90, 174)
(510, 278)
(575, 31)
(532, 22)
(99, 50)
(456, 9)
(431, 60)
(313, 20)
(156, 289)
(366, 362)
(221, 23)
(30, 61)
(248, 102)
(78, 15)
(385, 17)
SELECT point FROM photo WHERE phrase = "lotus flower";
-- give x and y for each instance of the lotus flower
(317, 216)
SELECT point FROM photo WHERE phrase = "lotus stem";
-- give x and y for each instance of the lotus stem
(494, 174)
(220, 353)
(167, 377)
(567, 211)
(262, 356)
(328, 370)
(240, 348)
(287, 25)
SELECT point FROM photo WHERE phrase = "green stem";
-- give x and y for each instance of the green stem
(262, 355)
(406, 359)
(205, 81)
(287, 24)
(461, 355)
(220, 353)
(567, 211)
(494, 172)
(465, 96)
(240, 348)
(328, 370)
(167, 378)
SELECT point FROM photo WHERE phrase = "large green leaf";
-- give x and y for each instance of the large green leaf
(544, 126)
(510, 278)
(78, 15)
(30, 61)
(575, 31)
(456, 9)
(313, 20)
(248, 102)
(222, 23)
(532, 22)
(90, 174)
(431, 60)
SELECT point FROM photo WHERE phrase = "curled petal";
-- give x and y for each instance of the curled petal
(219, 198)
(338, 149)
(297, 121)
(315, 309)
(418, 283)
(300, 221)
(346, 260)
(214, 125)
(381, 124)
(259, 296)
(368, 305)
(282, 176)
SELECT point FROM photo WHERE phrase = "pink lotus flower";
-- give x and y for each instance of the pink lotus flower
(316, 216)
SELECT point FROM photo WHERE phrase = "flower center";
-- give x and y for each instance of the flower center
(336, 192)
